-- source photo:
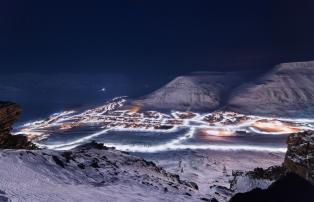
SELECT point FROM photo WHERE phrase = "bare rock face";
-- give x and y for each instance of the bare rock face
(197, 92)
(9, 112)
(299, 158)
(287, 90)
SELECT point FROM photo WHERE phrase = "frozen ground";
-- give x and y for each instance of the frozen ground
(110, 175)
(212, 170)
(202, 148)
(87, 175)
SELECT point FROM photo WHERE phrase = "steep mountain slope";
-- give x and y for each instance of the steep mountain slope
(197, 92)
(287, 90)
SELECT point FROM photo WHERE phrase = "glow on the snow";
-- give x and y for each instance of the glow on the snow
(110, 117)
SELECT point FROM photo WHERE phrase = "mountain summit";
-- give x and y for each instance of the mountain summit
(287, 90)
(197, 92)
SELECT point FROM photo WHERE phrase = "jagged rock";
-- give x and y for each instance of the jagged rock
(94, 145)
(258, 178)
(289, 188)
(300, 155)
(89, 174)
(271, 173)
(293, 181)
(9, 112)
(287, 90)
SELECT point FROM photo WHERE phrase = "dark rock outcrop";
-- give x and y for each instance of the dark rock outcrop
(300, 155)
(289, 188)
(294, 180)
(9, 112)
(257, 175)
(271, 173)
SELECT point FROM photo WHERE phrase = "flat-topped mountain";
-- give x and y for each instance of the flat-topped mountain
(287, 90)
(198, 91)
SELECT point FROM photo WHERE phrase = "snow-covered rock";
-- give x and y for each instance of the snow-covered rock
(196, 92)
(88, 174)
(287, 90)
(258, 178)
(288, 188)
(300, 155)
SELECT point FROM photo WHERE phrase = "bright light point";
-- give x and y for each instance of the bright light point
(274, 126)
(215, 132)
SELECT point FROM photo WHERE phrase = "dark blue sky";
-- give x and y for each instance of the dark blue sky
(153, 37)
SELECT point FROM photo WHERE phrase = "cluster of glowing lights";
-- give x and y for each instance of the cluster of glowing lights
(111, 117)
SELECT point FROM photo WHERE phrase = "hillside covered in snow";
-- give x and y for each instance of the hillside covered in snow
(89, 173)
(196, 92)
(287, 90)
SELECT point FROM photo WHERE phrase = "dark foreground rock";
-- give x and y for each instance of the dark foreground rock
(9, 113)
(258, 178)
(294, 180)
(289, 188)
(300, 155)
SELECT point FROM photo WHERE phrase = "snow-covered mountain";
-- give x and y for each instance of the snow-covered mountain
(287, 90)
(197, 92)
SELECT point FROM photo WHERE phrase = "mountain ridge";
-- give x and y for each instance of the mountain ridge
(286, 90)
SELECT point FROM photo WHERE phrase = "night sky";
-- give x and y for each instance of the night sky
(153, 37)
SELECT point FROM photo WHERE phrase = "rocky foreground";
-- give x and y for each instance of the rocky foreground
(89, 173)
(9, 113)
(293, 181)
(300, 155)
